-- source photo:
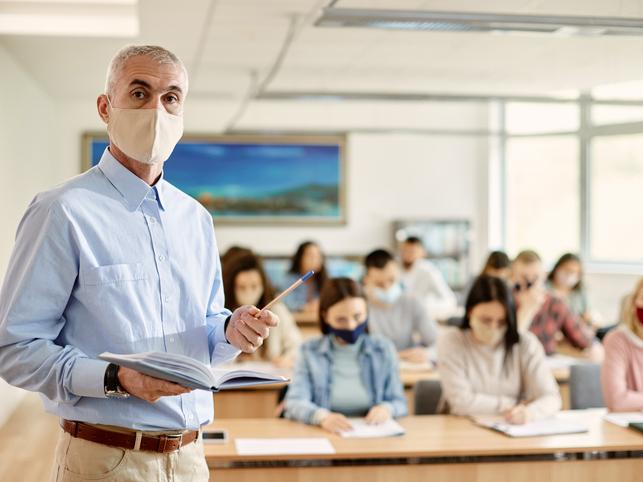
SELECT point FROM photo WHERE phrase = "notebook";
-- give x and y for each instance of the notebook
(623, 419)
(191, 373)
(361, 429)
(540, 428)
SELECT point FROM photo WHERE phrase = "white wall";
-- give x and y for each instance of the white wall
(26, 158)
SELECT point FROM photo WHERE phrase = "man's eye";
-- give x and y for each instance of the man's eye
(172, 98)
(139, 94)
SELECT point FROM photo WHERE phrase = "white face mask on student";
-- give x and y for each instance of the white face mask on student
(146, 135)
(485, 334)
(389, 296)
(568, 280)
(248, 297)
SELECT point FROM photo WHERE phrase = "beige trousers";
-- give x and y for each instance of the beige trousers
(80, 460)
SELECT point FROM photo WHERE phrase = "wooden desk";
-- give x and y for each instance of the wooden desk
(437, 448)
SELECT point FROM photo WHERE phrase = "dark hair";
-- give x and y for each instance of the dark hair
(334, 291)
(233, 252)
(414, 240)
(378, 259)
(239, 264)
(321, 276)
(497, 260)
(566, 258)
(484, 290)
(528, 256)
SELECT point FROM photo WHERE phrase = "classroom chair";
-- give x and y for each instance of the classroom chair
(585, 389)
(427, 396)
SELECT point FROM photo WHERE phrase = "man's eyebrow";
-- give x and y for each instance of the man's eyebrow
(141, 83)
(175, 88)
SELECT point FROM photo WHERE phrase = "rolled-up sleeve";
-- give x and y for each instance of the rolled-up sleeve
(42, 272)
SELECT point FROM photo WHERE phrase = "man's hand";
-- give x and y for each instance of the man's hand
(147, 388)
(417, 354)
(246, 330)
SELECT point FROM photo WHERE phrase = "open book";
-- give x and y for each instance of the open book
(550, 426)
(189, 372)
(361, 429)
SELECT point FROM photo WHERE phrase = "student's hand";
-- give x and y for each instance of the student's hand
(414, 355)
(148, 388)
(378, 414)
(518, 415)
(529, 302)
(246, 331)
(335, 423)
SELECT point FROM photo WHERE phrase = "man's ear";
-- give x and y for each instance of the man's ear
(103, 108)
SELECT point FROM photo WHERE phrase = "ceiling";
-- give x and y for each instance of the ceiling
(232, 49)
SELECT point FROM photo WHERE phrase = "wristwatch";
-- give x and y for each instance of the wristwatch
(113, 388)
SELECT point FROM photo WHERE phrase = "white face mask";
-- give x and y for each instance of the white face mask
(568, 280)
(248, 297)
(147, 135)
(485, 334)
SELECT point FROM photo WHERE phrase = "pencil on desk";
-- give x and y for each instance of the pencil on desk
(287, 291)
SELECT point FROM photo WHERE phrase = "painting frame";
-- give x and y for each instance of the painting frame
(339, 140)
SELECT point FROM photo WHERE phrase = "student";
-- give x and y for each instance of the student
(346, 372)
(308, 257)
(245, 283)
(424, 281)
(232, 252)
(487, 367)
(622, 371)
(546, 315)
(497, 265)
(395, 314)
(566, 282)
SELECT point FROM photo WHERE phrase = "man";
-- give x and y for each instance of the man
(424, 281)
(394, 314)
(545, 315)
(117, 259)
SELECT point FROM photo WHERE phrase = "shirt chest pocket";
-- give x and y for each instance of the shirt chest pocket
(113, 274)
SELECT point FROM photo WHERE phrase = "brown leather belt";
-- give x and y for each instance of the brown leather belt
(164, 443)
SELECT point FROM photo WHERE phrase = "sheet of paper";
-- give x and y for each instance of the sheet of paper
(623, 419)
(361, 429)
(552, 426)
(283, 446)
(558, 362)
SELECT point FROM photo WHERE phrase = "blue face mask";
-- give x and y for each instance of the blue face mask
(389, 296)
(349, 336)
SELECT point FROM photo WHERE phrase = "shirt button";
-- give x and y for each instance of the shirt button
(161, 257)
(167, 299)
(152, 220)
(171, 339)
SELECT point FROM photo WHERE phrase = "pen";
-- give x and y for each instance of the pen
(287, 291)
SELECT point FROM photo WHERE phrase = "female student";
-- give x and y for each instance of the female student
(566, 282)
(486, 367)
(308, 257)
(498, 265)
(622, 371)
(245, 283)
(345, 372)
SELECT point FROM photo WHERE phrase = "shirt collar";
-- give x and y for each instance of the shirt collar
(128, 184)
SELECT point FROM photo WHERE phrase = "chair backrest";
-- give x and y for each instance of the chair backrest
(585, 389)
(427, 396)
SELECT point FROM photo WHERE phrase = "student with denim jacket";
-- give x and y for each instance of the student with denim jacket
(346, 372)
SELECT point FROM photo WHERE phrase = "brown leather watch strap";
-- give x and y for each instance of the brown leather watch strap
(164, 443)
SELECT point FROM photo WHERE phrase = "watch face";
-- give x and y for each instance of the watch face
(117, 394)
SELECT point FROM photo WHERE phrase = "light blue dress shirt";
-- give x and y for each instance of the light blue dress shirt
(104, 262)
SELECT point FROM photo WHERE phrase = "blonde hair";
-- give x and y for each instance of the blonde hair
(628, 316)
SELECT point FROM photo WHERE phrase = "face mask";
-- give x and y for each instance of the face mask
(248, 297)
(639, 314)
(389, 296)
(349, 336)
(567, 280)
(486, 334)
(147, 135)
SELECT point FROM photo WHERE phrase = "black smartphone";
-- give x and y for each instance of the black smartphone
(215, 437)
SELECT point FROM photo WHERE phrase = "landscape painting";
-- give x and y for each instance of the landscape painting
(256, 179)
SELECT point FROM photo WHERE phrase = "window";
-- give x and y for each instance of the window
(616, 216)
(542, 195)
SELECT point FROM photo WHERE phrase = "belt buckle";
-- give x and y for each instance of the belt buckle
(165, 437)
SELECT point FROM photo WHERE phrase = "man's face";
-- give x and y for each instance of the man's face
(382, 278)
(143, 83)
(410, 253)
(527, 273)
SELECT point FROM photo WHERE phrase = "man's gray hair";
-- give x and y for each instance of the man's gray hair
(160, 54)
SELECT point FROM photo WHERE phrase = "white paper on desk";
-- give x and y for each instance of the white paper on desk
(283, 446)
(560, 362)
(540, 428)
(361, 429)
(623, 419)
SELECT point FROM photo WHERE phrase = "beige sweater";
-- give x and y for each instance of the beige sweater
(474, 381)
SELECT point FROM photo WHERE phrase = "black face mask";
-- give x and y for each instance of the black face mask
(349, 336)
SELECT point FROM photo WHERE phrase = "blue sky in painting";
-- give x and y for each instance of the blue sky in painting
(247, 170)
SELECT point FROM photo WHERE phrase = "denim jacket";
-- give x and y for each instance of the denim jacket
(310, 389)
